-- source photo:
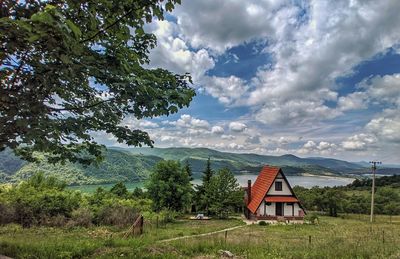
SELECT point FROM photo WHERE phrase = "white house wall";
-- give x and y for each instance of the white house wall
(260, 210)
(285, 187)
(297, 209)
(270, 210)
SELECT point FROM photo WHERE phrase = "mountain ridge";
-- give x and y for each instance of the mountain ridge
(135, 164)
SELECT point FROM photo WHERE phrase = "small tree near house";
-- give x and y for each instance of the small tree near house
(169, 186)
(224, 193)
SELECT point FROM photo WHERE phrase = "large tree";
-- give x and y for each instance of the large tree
(169, 186)
(70, 68)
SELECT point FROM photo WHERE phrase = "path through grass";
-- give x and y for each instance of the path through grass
(333, 238)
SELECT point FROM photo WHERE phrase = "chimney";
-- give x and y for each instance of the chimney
(248, 191)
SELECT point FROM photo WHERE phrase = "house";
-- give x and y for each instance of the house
(271, 198)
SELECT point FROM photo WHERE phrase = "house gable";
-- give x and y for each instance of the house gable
(285, 190)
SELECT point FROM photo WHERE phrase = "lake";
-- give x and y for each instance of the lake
(305, 181)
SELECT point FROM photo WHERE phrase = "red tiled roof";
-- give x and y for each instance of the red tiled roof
(281, 199)
(261, 186)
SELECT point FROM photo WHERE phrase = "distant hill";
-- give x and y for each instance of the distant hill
(117, 166)
(135, 164)
(239, 162)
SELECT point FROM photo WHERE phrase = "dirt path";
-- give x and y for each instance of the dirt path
(201, 235)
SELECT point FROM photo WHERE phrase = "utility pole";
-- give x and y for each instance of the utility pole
(374, 163)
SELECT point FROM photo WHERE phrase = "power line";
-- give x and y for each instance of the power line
(374, 163)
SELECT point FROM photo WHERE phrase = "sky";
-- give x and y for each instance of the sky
(273, 77)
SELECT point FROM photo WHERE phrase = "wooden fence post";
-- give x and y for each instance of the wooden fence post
(226, 235)
(141, 224)
(383, 236)
(309, 240)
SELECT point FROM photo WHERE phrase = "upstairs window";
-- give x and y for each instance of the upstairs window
(278, 186)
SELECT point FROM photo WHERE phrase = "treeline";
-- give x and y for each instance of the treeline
(392, 181)
(169, 187)
(353, 198)
(44, 200)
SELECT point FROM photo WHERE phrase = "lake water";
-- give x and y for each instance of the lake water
(305, 181)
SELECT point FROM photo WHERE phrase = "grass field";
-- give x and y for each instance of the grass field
(348, 237)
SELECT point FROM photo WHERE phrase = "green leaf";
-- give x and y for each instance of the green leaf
(43, 17)
(75, 29)
(34, 38)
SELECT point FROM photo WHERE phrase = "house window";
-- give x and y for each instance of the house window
(289, 203)
(278, 186)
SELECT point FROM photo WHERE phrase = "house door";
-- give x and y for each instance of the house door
(279, 209)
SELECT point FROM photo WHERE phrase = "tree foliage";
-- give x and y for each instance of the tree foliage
(224, 193)
(119, 189)
(69, 68)
(188, 170)
(202, 198)
(207, 173)
(44, 201)
(351, 199)
(169, 186)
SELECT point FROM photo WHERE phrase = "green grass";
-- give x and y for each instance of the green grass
(332, 238)
(347, 237)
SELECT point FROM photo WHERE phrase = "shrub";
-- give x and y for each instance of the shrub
(52, 221)
(82, 217)
(117, 215)
(7, 214)
(262, 223)
(312, 218)
(168, 216)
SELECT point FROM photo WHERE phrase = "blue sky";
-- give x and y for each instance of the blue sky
(310, 78)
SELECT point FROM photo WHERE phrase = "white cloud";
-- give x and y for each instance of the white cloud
(237, 126)
(226, 89)
(134, 123)
(172, 52)
(295, 111)
(253, 140)
(383, 89)
(224, 24)
(187, 121)
(323, 148)
(235, 146)
(353, 101)
(386, 128)
(228, 137)
(217, 130)
(359, 142)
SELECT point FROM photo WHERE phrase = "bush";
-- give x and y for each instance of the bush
(262, 223)
(53, 221)
(82, 217)
(168, 216)
(7, 214)
(117, 215)
(312, 218)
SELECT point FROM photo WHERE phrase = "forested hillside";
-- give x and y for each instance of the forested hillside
(134, 164)
(250, 162)
(117, 166)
